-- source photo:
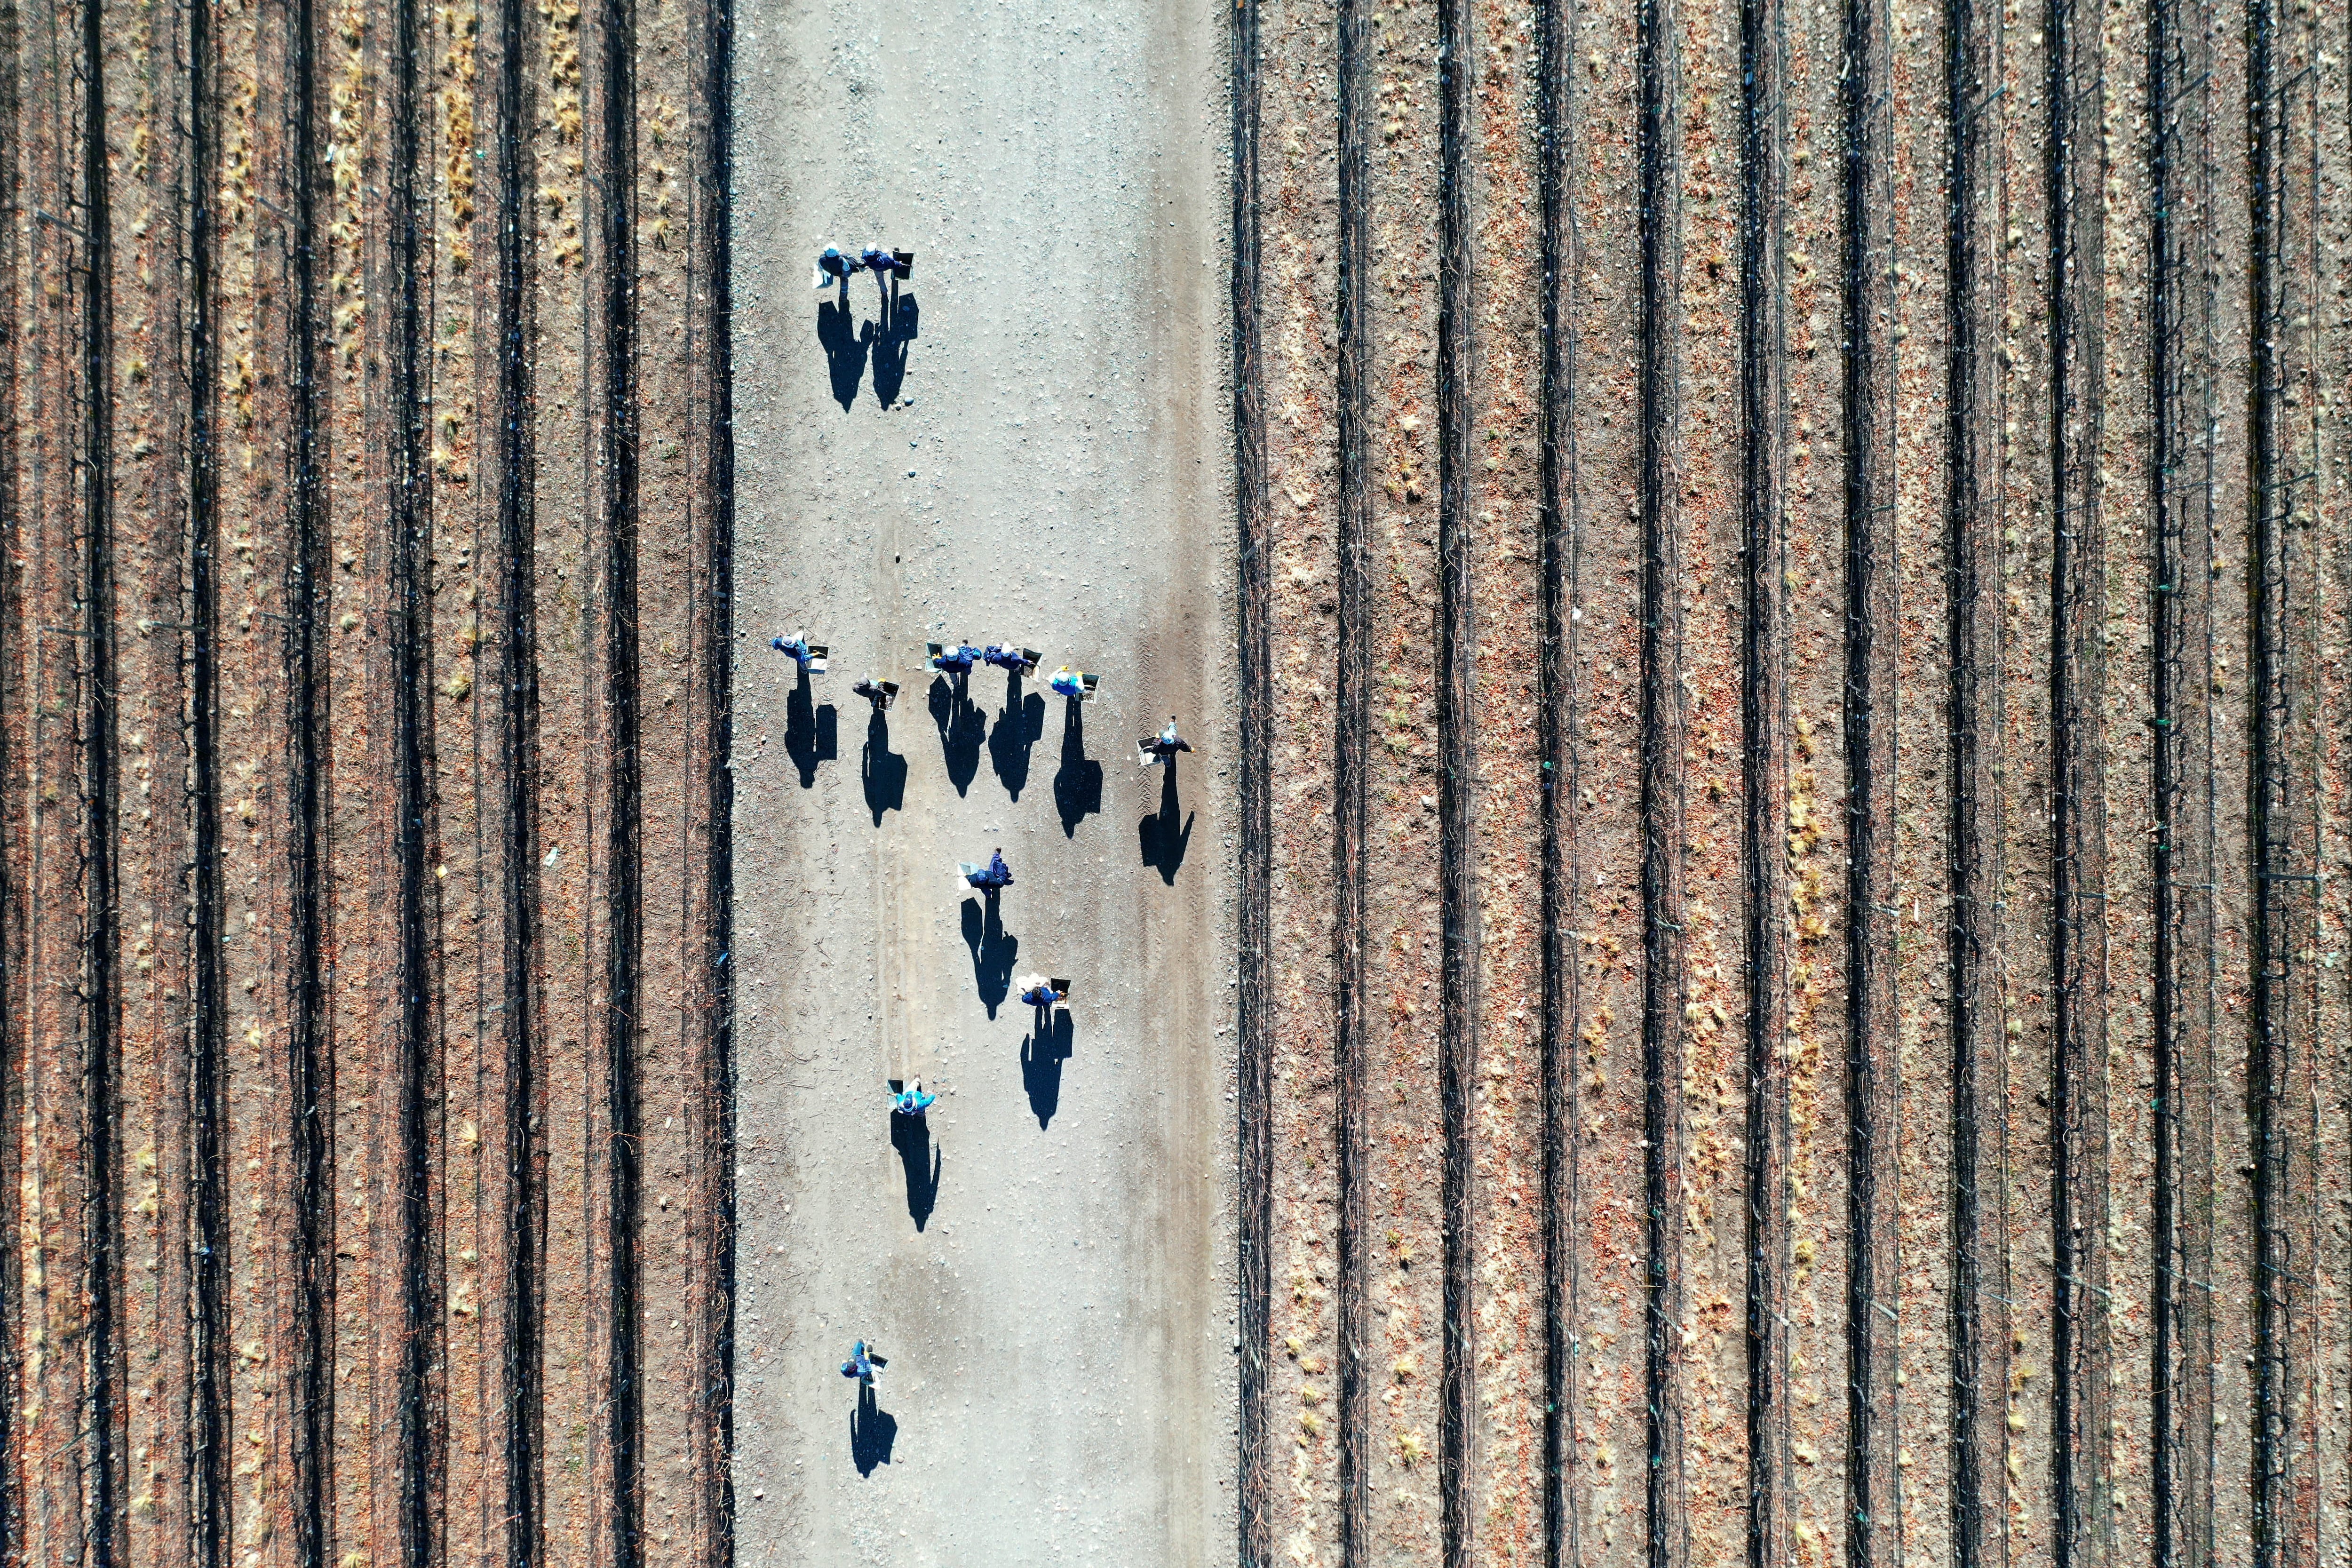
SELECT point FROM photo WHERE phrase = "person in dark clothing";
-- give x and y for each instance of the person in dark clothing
(1040, 993)
(1008, 655)
(885, 265)
(881, 693)
(833, 266)
(1163, 747)
(956, 659)
(994, 877)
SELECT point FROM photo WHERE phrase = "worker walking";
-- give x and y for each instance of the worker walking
(833, 266)
(1162, 747)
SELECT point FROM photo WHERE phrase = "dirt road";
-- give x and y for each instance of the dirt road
(1029, 445)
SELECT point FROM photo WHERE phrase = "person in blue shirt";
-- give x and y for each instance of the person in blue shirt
(1007, 655)
(911, 1100)
(796, 645)
(863, 1363)
(833, 266)
(884, 264)
(996, 876)
(1040, 994)
(956, 659)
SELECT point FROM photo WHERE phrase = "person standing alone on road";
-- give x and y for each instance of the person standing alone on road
(863, 1363)
(911, 1100)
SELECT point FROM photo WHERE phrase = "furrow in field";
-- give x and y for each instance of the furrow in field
(1661, 729)
(1867, 716)
(708, 180)
(306, 1118)
(1255, 998)
(1549, 58)
(517, 1250)
(410, 1407)
(1962, 1292)
(16, 748)
(613, 520)
(2278, 867)
(98, 1055)
(1349, 517)
(1762, 1006)
(1455, 372)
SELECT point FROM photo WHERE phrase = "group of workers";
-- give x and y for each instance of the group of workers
(833, 266)
(957, 661)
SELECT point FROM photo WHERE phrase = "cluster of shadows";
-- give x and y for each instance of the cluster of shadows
(812, 734)
(847, 348)
(1042, 1055)
(1163, 834)
(993, 950)
(911, 1136)
(872, 1431)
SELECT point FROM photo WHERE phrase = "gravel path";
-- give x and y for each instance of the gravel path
(1032, 448)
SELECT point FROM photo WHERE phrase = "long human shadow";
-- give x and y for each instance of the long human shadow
(884, 770)
(911, 1136)
(961, 724)
(845, 351)
(887, 340)
(1018, 726)
(1161, 836)
(1043, 1053)
(812, 734)
(993, 948)
(1078, 782)
(873, 1432)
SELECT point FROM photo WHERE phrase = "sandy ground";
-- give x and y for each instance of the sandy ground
(1032, 448)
